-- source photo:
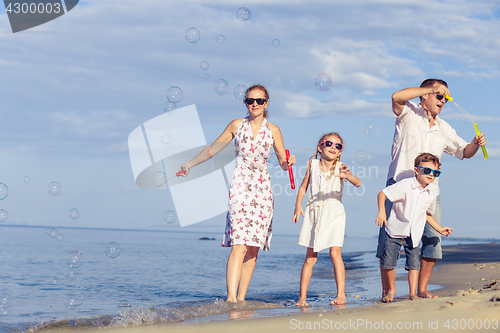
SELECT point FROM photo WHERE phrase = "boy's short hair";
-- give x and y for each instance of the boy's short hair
(430, 83)
(427, 157)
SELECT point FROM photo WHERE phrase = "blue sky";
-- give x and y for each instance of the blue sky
(72, 90)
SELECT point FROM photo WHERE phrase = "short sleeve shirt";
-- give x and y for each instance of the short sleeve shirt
(412, 136)
(410, 204)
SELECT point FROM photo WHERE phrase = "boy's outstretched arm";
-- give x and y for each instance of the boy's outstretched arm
(300, 195)
(445, 231)
(381, 217)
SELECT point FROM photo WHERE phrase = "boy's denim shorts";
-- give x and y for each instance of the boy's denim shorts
(391, 253)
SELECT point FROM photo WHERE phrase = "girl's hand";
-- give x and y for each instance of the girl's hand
(344, 172)
(184, 170)
(296, 215)
(446, 231)
(381, 219)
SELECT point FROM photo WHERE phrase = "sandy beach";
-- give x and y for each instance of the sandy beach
(469, 301)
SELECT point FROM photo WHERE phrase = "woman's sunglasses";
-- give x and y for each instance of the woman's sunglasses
(260, 101)
(328, 143)
(427, 171)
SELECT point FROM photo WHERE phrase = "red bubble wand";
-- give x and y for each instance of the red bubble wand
(290, 172)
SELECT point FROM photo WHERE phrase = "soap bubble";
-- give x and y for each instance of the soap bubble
(4, 215)
(52, 233)
(159, 178)
(74, 213)
(323, 82)
(423, 125)
(276, 42)
(5, 301)
(170, 216)
(243, 14)
(169, 107)
(361, 157)
(221, 87)
(273, 160)
(239, 91)
(124, 304)
(71, 274)
(206, 76)
(369, 129)
(204, 65)
(112, 250)
(74, 259)
(60, 237)
(174, 94)
(54, 189)
(250, 187)
(73, 301)
(408, 143)
(205, 39)
(192, 35)
(26, 179)
(4, 191)
(54, 281)
(220, 39)
(166, 139)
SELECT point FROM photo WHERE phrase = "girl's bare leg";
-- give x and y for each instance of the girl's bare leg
(339, 269)
(233, 270)
(247, 271)
(305, 275)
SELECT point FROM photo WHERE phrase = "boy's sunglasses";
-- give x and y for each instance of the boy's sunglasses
(427, 171)
(440, 97)
(327, 143)
(260, 101)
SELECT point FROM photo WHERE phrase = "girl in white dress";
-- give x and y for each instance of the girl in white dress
(324, 219)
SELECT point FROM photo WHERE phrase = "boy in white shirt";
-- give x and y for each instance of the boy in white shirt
(413, 203)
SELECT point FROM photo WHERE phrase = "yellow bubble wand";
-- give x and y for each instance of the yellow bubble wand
(478, 133)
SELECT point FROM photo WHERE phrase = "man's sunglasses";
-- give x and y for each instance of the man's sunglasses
(427, 171)
(440, 97)
(327, 143)
(260, 101)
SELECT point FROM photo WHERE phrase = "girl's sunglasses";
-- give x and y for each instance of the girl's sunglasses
(260, 101)
(327, 143)
(427, 171)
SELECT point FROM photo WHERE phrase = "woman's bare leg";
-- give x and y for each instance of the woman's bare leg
(233, 270)
(247, 271)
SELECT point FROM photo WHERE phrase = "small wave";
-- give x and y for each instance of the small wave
(138, 317)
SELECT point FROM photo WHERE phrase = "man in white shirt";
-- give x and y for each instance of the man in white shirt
(419, 129)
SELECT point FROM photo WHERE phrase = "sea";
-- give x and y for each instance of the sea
(75, 278)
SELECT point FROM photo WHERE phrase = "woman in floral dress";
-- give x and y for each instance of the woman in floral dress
(250, 213)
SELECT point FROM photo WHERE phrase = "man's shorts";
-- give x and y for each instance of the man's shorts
(431, 240)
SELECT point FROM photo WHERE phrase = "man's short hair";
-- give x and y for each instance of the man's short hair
(427, 157)
(431, 82)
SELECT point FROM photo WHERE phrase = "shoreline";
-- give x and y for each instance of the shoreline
(469, 301)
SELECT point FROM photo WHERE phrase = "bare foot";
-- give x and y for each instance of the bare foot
(388, 298)
(427, 294)
(301, 302)
(338, 301)
(413, 297)
(231, 301)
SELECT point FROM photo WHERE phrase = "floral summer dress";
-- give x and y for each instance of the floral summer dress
(250, 212)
